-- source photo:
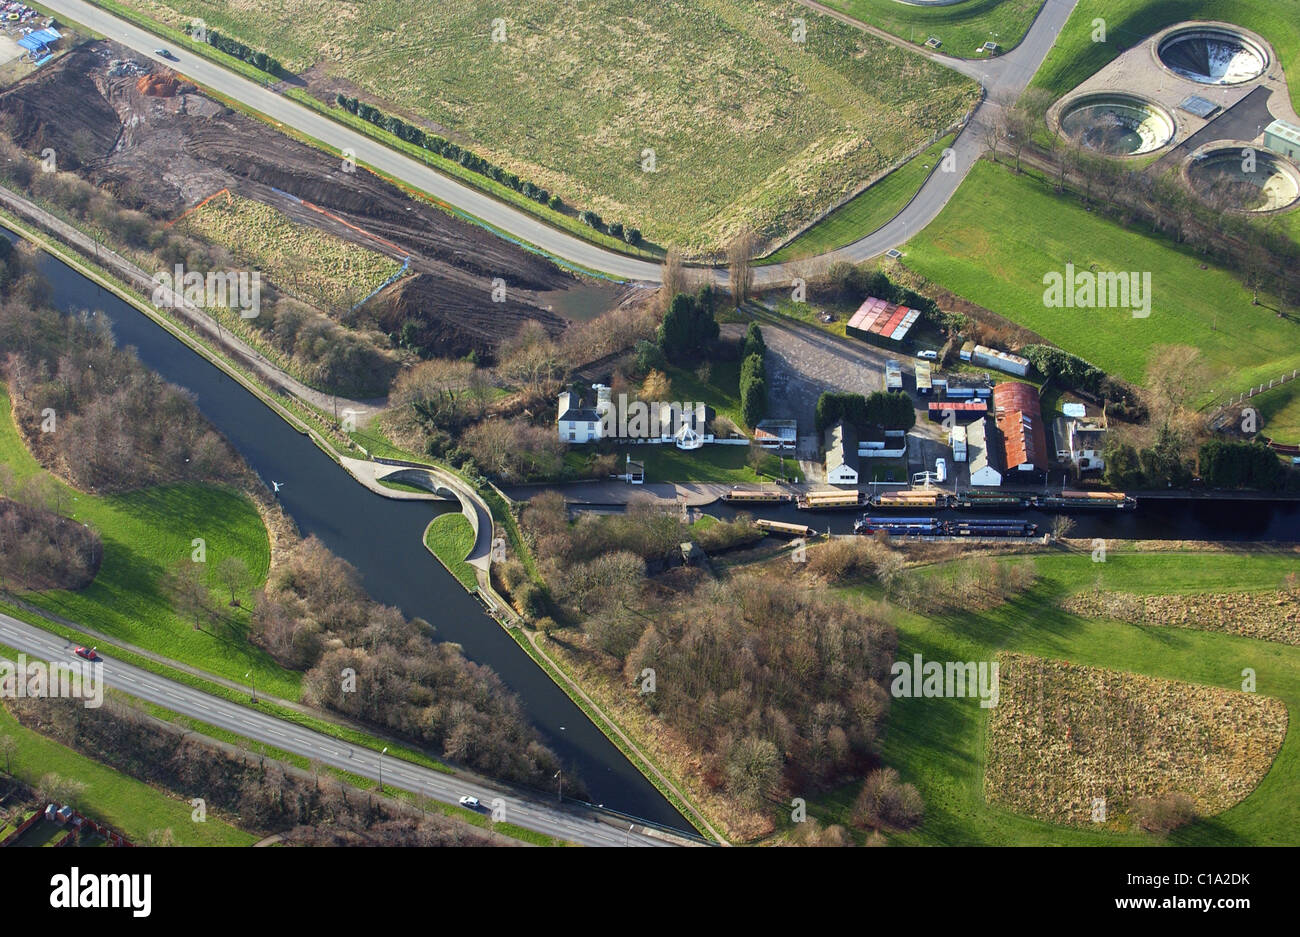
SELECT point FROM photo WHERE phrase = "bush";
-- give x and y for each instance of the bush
(887, 803)
(649, 357)
(632, 235)
(688, 327)
(1226, 464)
(753, 343)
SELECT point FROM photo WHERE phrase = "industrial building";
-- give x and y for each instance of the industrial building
(881, 443)
(881, 323)
(963, 411)
(985, 357)
(1283, 137)
(957, 440)
(1020, 424)
(841, 454)
(923, 381)
(981, 454)
(777, 434)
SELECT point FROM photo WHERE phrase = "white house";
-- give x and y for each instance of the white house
(579, 421)
(1080, 442)
(980, 456)
(841, 455)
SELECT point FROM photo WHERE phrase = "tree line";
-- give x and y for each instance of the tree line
(888, 409)
(257, 794)
(233, 47)
(314, 615)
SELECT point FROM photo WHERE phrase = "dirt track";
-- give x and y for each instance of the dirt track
(165, 154)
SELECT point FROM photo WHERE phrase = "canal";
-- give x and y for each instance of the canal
(380, 536)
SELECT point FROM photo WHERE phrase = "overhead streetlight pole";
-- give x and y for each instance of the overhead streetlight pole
(381, 769)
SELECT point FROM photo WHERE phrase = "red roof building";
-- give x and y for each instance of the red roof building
(1020, 422)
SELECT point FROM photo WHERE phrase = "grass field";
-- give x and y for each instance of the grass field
(939, 744)
(318, 268)
(144, 533)
(1001, 233)
(963, 27)
(450, 538)
(121, 802)
(1279, 413)
(1075, 56)
(866, 211)
(746, 125)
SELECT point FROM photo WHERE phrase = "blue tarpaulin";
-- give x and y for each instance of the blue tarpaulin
(37, 40)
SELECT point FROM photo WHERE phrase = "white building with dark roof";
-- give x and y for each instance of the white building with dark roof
(841, 454)
(579, 421)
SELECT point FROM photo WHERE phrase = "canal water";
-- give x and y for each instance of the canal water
(1154, 519)
(380, 536)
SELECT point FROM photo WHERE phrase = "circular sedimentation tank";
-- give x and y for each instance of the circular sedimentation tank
(1244, 179)
(1117, 124)
(1212, 55)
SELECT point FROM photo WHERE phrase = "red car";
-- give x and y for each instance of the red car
(86, 652)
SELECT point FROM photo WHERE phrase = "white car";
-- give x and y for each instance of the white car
(928, 355)
(470, 802)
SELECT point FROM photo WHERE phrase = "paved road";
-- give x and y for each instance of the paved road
(521, 809)
(1004, 78)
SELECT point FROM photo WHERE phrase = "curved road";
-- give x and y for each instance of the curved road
(520, 809)
(1004, 78)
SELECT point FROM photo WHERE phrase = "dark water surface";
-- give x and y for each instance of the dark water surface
(380, 536)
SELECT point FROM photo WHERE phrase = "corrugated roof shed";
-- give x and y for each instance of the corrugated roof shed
(1020, 421)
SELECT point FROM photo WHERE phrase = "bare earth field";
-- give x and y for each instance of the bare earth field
(1063, 736)
(747, 125)
(166, 154)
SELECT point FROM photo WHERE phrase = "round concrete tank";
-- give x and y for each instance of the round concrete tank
(1243, 178)
(1117, 124)
(1212, 55)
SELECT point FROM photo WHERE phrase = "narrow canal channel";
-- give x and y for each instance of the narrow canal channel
(380, 536)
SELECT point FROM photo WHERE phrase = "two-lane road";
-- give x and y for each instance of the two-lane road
(1004, 78)
(520, 809)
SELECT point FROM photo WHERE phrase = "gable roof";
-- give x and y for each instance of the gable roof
(841, 447)
(1020, 421)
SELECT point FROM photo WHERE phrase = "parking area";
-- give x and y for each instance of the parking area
(801, 364)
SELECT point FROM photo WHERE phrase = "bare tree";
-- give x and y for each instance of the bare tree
(189, 595)
(1173, 376)
(8, 748)
(60, 790)
(674, 279)
(1062, 526)
(531, 358)
(233, 572)
(740, 254)
(992, 133)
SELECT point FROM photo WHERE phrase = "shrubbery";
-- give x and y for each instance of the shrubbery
(1226, 464)
(688, 328)
(234, 47)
